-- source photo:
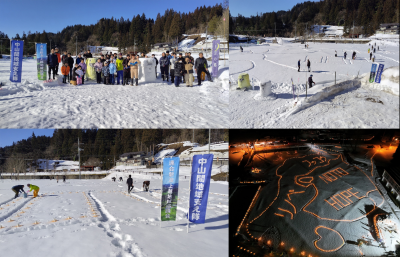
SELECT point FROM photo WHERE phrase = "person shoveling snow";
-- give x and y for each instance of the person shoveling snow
(35, 189)
(17, 189)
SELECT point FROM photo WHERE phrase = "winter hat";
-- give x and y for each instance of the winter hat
(311, 75)
(120, 54)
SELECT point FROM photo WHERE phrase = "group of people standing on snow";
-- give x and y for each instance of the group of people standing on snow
(308, 65)
(177, 67)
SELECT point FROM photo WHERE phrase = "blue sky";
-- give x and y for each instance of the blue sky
(251, 7)
(8, 136)
(38, 15)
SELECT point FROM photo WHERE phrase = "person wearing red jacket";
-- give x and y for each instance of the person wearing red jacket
(59, 60)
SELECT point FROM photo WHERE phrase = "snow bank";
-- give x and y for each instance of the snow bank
(164, 153)
(389, 81)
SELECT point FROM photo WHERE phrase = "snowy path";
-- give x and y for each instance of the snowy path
(32, 104)
(101, 213)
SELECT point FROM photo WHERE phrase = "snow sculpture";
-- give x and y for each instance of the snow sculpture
(147, 72)
(265, 89)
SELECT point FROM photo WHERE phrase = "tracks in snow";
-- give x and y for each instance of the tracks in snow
(15, 209)
(111, 226)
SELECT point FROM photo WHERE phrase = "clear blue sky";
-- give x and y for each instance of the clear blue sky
(38, 15)
(248, 8)
(8, 136)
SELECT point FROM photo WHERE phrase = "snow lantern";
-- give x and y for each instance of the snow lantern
(90, 71)
(244, 80)
(265, 88)
(147, 70)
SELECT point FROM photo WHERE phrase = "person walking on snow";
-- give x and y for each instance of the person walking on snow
(370, 56)
(345, 54)
(298, 65)
(335, 53)
(310, 81)
(35, 189)
(241, 49)
(309, 65)
(129, 182)
(64, 178)
(17, 189)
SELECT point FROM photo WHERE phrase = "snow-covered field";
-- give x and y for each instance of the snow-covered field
(320, 205)
(34, 104)
(352, 103)
(99, 218)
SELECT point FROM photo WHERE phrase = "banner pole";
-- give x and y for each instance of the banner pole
(190, 182)
(162, 175)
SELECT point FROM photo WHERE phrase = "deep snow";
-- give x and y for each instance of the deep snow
(350, 104)
(98, 218)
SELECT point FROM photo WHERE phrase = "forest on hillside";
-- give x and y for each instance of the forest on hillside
(102, 144)
(124, 33)
(368, 14)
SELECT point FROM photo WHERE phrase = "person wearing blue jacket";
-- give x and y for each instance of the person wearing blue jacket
(113, 69)
(164, 66)
(52, 62)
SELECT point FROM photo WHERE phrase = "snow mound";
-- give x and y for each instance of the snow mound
(163, 154)
(389, 81)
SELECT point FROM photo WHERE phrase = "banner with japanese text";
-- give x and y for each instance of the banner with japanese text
(379, 73)
(41, 56)
(199, 187)
(215, 57)
(17, 50)
(169, 198)
(373, 73)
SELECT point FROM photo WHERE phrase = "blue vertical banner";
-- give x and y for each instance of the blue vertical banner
(215, 57)
(41, 56)
(17, 50)
(199, 187)
(373, 72)
(169, 198)
(379, 73)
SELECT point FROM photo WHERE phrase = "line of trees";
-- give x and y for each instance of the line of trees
(123, 33)
(102, 144)
(368, 14)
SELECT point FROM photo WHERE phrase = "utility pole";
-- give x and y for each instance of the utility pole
(76, 49)
(352, 40)
(209, 140)
(79, 154)
(305, 41)
(275, 29)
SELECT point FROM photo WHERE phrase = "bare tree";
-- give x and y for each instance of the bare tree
(16, 164)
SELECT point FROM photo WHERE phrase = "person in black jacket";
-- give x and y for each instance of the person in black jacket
(309, 65)
(70, 62)
(154, 56)
(310, 81)
(88, 54)
(178, 70)
(52, 62)
(17, 189)
(298, 65)
(200, 65)
(164, 66)
(64, 57)
(129, 182)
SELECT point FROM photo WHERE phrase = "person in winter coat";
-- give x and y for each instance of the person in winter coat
(102, 59)
(106, 73)
(310, 81)
(129, 182)
(370, 56)
(64, 178)
(135, 69)
(241, 49)
(309, 65)
(74, 73)
(373, 58)
(65, 72)
(120, 69)
(52, 62)
(17, 189)
(64, 57)
(298, 65)
(191, 57)
(58, 58)
(345, 54)
(78, 59)
(154, 56)
(98, 67)
(172, 67)
(35, 189)
(70, 62)
(164, 66)
(188, 71)
(335, 53)
(84, 68)
(127, 70)
(200, 66)
(179, 68)
(113, 70)
(112, 60)
(79, 73)
(88, 55)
